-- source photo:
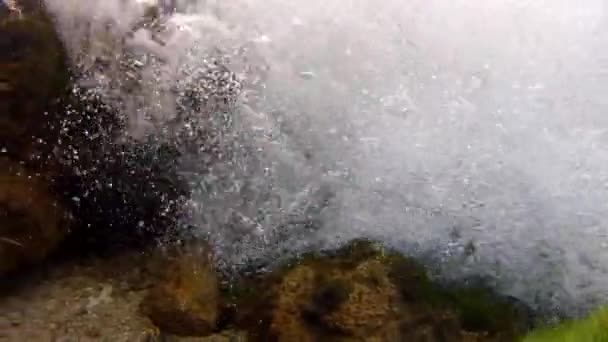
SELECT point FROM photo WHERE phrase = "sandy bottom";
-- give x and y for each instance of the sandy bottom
(91, 299)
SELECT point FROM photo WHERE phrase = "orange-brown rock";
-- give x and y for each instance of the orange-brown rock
(185, 302)
(363, 292)
(317, 303)
(293, 295)
(371, 307)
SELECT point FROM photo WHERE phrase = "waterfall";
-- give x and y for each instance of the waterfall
(470, 132)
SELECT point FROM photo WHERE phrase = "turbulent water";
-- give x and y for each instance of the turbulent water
(473, 133)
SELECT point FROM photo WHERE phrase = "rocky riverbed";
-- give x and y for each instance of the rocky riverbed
(89, 299)
(358, 293)
(83, 253)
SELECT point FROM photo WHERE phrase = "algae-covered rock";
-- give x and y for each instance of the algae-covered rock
(32, 222)
(185, 303)
(363, 292)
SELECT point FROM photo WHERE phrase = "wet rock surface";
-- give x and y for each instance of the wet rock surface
(33, 222)
(185, 301)
(96, 298)
(74, 301)
(359, 293)
(34, 78)
(65, 142)
(160, 295)
(365, 293)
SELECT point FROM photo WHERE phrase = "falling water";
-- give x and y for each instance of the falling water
(470, 132)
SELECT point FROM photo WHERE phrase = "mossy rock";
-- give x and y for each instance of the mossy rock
(364, 292)
(185, 301)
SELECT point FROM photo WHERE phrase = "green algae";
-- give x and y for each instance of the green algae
(591, 329)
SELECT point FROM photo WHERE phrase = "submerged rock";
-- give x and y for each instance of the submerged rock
(186, 302)
(363, 292)
(33, 81)
(358, 303)
(33, 223)
(120, 193)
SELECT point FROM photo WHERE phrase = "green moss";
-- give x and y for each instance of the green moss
(591, 329)
(478, 309)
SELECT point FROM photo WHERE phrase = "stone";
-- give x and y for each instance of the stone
(316, 304)
(33, 77)
(293, 294)
(224, 336)
(33, 223)
(370, 304)
(364, 292)
(185, 302)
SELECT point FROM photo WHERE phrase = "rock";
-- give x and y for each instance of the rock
(364, 292)
(185, 303)
(105, 296)
(371, 302)
(316, 304)
(33, 77)
(32, 222)
(293, 295)
(224, 336)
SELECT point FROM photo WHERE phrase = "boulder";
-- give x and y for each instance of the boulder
(316, 303)
(33, 78)
(364, 292)
(185, 302)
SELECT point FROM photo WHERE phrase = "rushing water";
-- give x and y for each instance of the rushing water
(471, 131)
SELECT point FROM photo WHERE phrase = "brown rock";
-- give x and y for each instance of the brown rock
(224, 336)
(32, 223)
(363, 292)
(324, 302)
(185, 303)
(293, 295)
(370, 306)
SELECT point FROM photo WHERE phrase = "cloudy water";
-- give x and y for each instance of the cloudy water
(473, 133)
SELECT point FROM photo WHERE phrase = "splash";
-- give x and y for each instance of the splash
(470, 132)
